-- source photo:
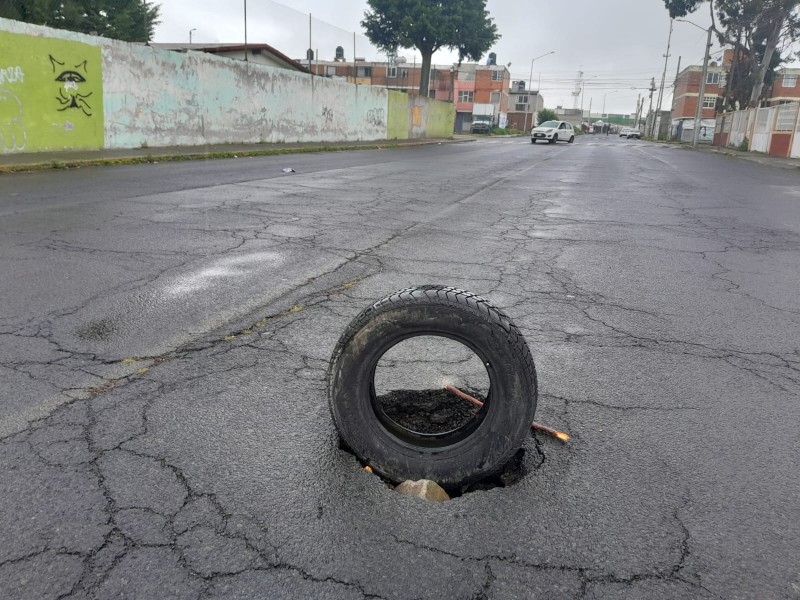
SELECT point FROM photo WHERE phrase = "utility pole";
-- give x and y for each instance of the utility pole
(638, 112)
(652, 90)
(699, 114)
(674, 87)
(663, 81)
(245, 30)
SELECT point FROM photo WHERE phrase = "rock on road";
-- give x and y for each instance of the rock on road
(165, 332)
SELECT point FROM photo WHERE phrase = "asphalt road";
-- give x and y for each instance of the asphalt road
(165, 332)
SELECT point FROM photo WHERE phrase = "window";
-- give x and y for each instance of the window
(364, 72)
(465, 96)
(466, 76)
(497, 76)
(712, 78)
(404, 73)
(330, 71)
(709, 102)
(789, 81)
(391, 72)
(521, 107)
(494, 98)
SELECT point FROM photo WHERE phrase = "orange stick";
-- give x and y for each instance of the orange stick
(559, 435)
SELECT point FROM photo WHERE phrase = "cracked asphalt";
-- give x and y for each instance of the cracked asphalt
(166, 329)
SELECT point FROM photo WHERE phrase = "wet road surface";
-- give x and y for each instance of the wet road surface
(165, 332)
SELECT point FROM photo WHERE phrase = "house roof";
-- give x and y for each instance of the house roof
(222, 49)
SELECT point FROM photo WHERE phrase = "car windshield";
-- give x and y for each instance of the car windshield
(550, 124)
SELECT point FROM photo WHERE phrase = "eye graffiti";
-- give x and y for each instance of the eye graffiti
(68, 95)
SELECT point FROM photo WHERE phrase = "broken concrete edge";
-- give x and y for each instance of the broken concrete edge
(424, 489)
(55, 163)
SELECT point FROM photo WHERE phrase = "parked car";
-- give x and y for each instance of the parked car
(630, 132)
(553, 131)
(480, 127)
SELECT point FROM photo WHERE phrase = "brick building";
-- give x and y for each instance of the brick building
(523, 106)
(786, 88)
(465, 84)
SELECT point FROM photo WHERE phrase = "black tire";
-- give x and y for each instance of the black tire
(467, 454)
(553, 140)
(571, 139)
(533, 141)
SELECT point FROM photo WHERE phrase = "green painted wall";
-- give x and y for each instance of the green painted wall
(441, 119)
(51, 94)
(397, 122)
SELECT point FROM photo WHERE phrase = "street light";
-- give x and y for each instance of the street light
(190, 34)
(530, 82)
(603, 112)
(698, 115)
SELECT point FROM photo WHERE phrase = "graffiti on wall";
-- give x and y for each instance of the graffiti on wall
(69, 96)
(51, 94)
(376, 117)
(12, 131)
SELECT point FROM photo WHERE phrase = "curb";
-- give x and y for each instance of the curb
(77, 163)
(765, 159)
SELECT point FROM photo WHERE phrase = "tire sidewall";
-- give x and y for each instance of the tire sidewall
(509, 411)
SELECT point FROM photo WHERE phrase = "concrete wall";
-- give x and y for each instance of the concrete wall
(51, 94)
(413, 117)
(398, 116)
(195, 98)
(61, 90)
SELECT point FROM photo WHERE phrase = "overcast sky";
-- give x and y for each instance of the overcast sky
(618, 44)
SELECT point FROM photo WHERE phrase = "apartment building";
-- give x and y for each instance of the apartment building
(466, 85)
(785, 89)
(523, 106)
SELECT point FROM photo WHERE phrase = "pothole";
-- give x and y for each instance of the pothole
(411, 401)
(101, 330)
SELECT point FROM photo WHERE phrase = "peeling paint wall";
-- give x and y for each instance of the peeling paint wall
(398, 116)
(413, 117)
(162, 98)
(441, 119)
(122, 95)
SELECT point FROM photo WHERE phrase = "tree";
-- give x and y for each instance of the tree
(429, 25)
(754, 28)
(127, 20)
(546, 115)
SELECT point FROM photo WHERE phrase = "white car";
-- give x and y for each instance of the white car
(629, 132)
(553, 131)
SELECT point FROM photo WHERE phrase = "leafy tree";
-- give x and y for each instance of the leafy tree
(128, 20)
(755, 29)
(429, 25)
(546, 115)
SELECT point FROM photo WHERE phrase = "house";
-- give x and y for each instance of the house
(523, 106)
(786, 88)
(262, 54)
(465, 85)
(687, 94)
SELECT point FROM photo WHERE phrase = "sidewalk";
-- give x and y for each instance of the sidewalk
(756, 157)
(89, 158)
